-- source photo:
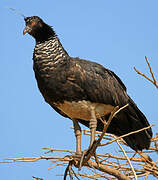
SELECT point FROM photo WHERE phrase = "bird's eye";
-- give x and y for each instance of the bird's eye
(33, 23)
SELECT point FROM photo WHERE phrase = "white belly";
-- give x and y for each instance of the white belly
(82, 109)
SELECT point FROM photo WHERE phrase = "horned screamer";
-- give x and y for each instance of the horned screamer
(82, 90)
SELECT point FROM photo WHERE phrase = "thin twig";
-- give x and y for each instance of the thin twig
(151, 72)
(134, 173)
(68, 169)
(108, 170)
(52, 150)
(75, 174)
(120, 137)
(153, 80)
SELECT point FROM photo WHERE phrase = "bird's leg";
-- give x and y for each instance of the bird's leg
(78, 132)
(92, 126)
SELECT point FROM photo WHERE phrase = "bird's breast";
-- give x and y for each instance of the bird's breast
(82, 109)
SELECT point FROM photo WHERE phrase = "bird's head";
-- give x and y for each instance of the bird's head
(38, 29)
(33, 25)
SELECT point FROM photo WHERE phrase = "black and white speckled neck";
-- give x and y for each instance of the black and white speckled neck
(47, 55)
(50, 50)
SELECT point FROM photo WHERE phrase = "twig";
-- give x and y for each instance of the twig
(153, 80)
(108, 170)
(120, 158)
(133, 132)
(52, 150)
(34, 159)
(75, 174)
(134, 173)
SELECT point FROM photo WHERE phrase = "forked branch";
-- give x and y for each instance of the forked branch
(153, 80)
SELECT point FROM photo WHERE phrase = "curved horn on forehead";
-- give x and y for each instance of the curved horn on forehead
(16, 11)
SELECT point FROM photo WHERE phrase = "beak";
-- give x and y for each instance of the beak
(26, 30)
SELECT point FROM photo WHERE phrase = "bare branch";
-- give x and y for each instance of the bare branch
(108, 164)
(108, 170)
(153, 80)
(133, 132)
(103, 166)
(128, 159)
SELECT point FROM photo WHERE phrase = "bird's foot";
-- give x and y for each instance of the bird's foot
(86, 154)
(81, 158)
(76, 155)
(75, 158)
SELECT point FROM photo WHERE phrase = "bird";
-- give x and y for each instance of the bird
(82, 90)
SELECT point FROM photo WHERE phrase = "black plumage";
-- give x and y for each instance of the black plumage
(72, 85)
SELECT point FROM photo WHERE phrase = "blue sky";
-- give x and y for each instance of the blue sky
(116, 34)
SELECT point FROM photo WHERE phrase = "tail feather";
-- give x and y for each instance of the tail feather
(129, 120)
(137, 141)
(140, 116)
(126, 124)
